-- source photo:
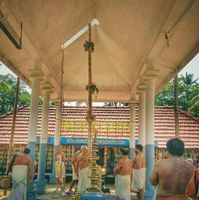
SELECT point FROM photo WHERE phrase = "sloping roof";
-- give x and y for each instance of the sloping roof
(112, 122)
(129, 40)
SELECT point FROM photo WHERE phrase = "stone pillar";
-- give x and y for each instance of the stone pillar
(56, 138)
(150, 138)
(132, 106)
(36, 76)
(142, 115)
(47, 89)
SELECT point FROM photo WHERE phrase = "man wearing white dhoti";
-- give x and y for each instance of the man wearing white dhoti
(83, 165)
(139, 172)
(123, 176)
(21, 176)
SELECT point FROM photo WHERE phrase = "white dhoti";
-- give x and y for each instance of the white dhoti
(84, 179)
(138, 179)
(122, 187)
(19, 183)
(155, 193)
(75, 177)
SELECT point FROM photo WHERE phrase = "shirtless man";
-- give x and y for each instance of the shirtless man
(24, 159)
(172, 175)
(21, 175)
(74, 169)
(83, 167)
(123, 176)
(139, 172)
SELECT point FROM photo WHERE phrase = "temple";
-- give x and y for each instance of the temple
(139, 47)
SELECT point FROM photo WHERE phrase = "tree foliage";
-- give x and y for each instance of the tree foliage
(7, 93)
(188, 95)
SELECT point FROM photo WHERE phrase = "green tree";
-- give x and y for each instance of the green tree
(7, 93)
(188, 95)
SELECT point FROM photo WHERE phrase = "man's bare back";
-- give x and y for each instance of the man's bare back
(172, 176)
(124, 167)
(25, 160)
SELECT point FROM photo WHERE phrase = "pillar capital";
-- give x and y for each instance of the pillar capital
(57, 102)
(47, 87)
(132, 102)
(36, 74)
(141, 88)
(151, 73)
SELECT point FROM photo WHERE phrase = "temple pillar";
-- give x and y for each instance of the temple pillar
(150, 138)
(47, 89)
(142, 115)
(56, 138)
(36, 77)
(132, 106)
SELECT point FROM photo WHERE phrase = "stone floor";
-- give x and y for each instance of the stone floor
(52, 194)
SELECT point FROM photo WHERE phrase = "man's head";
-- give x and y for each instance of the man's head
(26, 151)
(138, 148)
(84, 149)
(125, 151)
(175, 147)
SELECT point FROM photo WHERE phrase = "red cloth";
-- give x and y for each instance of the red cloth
(197, 174)
(191, 189)
(175, 197)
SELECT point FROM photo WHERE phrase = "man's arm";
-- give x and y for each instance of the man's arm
(154, 176)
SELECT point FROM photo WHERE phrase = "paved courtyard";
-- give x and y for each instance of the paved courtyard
(52, 194)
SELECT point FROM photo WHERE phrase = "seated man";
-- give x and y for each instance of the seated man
(83, 169)
(123, 176)
(21, 175)
(172, 175)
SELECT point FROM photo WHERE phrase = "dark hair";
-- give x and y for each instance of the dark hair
(175, 147)
(139, 147)
(125, 151)
(26, 150)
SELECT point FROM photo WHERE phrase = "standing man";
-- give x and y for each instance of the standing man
(74, 171)
(21, 175)
(83, 167)
(172, 175)
(139, 172)
(123, 176)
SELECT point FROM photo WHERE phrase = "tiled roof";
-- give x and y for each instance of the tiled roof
(111, 122)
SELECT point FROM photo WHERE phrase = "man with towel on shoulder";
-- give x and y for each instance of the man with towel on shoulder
(83, 169)
(139, 172)
(172, 175)
(21, 176)
(123, 176)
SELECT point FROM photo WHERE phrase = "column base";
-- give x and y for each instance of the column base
(132, 153)
(42, 161)
(31, 191)
(32, 187)
(41, 186)
(53, 176)
(148, 195)
(52, 179)
(149, 150)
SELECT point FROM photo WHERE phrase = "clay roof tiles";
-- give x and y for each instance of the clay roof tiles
(112, 123)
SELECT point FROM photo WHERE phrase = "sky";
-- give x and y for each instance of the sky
(192, 67)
